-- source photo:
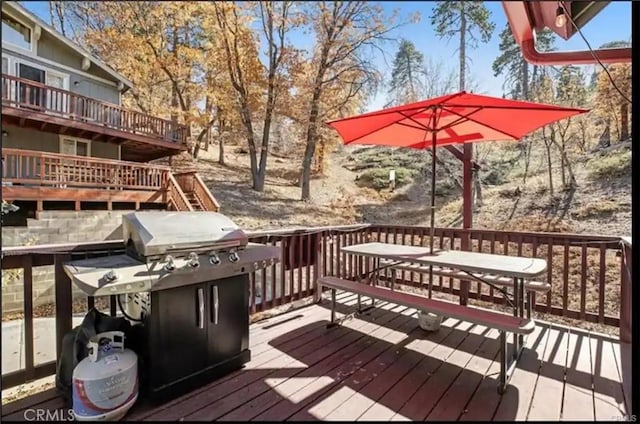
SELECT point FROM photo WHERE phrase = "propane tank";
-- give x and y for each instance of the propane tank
(105, 383)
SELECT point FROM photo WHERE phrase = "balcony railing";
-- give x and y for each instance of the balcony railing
(590, 275)
(23, 93)
(57, 170)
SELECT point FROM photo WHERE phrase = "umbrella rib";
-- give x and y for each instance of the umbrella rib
(461, 119)
(410, 117)
(410, 126)
(519, 107)
(488, 126)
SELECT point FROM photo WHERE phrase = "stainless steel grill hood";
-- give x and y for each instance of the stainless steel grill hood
(153, 234)
(164, 250)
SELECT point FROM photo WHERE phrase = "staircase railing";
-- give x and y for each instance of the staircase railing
(176, 198)
(191, 182)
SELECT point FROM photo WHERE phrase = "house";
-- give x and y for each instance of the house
(67, 141)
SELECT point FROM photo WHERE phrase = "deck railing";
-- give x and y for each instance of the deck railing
(590, 275)
(57, 170)
(23, 93)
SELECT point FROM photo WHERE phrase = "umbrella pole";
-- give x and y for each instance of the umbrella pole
(433, 192)
(433, 205)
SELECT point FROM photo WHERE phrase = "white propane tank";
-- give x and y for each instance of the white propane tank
(105, 383)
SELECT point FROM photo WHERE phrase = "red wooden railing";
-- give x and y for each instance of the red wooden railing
(589, 268)
(23, 93)
(53, 169)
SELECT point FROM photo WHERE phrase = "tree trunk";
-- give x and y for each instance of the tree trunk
(624, 120)
(525, 79)
(547, 145)
(527, 159)
(320, 157)
(196, 150)
(314, 112)
(309, 150)
(221, 136)
(462, 57)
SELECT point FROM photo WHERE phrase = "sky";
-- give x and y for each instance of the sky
(611, 24)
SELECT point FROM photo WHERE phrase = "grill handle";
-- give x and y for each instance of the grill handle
(201, 308)
(215, 300)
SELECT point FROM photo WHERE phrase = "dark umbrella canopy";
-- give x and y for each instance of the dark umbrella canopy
(452, 119)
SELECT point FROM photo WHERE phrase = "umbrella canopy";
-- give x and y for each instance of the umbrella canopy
(456, 118)
(452, 119)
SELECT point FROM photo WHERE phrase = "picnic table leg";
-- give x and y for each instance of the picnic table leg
(516, 309)
(502, 384)
(522, 308)
(508, 362)
(333, 309)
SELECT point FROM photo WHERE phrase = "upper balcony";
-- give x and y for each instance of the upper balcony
(142, 137)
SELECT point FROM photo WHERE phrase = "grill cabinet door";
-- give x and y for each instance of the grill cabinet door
(228, 317)
(178, 337)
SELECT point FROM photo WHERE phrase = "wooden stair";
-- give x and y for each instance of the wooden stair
(187, 192)
(193, 200)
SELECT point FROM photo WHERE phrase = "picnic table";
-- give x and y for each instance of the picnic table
(478, 266)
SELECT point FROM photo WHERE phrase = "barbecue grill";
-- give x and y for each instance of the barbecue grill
(184, 278)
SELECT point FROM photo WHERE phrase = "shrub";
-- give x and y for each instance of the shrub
(597, 209)
(614, 165)
(378, 178)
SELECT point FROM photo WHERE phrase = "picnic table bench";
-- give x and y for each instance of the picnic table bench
(501, 322)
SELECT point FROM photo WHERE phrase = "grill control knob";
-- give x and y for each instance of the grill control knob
(233, 257)
(194, 262)
(170, 265)
(214, 259)
(111, 276)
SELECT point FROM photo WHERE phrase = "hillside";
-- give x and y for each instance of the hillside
(600, 204)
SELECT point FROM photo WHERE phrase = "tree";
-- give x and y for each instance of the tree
(610, 106)
(464, 18)
(512, 66)
(340, 71)
(407, 75)
(570, 91)
(544, 93)
(258, 87)
(158, 46)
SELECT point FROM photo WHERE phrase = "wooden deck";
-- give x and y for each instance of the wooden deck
(382, 366)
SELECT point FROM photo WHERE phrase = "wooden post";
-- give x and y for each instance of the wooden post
(28, 317)
(77, 205)
(64, 301)
(625, 292)
(467, 211)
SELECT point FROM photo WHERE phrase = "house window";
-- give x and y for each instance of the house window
(16, 33)
(75, 146)
(5, 65)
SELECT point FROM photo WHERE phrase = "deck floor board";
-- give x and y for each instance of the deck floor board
(381, 366)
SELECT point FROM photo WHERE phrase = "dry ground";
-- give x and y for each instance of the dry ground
(596, 207)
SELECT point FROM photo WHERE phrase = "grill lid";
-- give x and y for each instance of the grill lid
(154, 233)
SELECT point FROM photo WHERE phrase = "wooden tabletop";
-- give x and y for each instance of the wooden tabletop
(508, 266)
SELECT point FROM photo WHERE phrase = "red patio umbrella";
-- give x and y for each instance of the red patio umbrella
(456, 118)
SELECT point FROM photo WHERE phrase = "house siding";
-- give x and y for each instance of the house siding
(29, 139)
(85, 86)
